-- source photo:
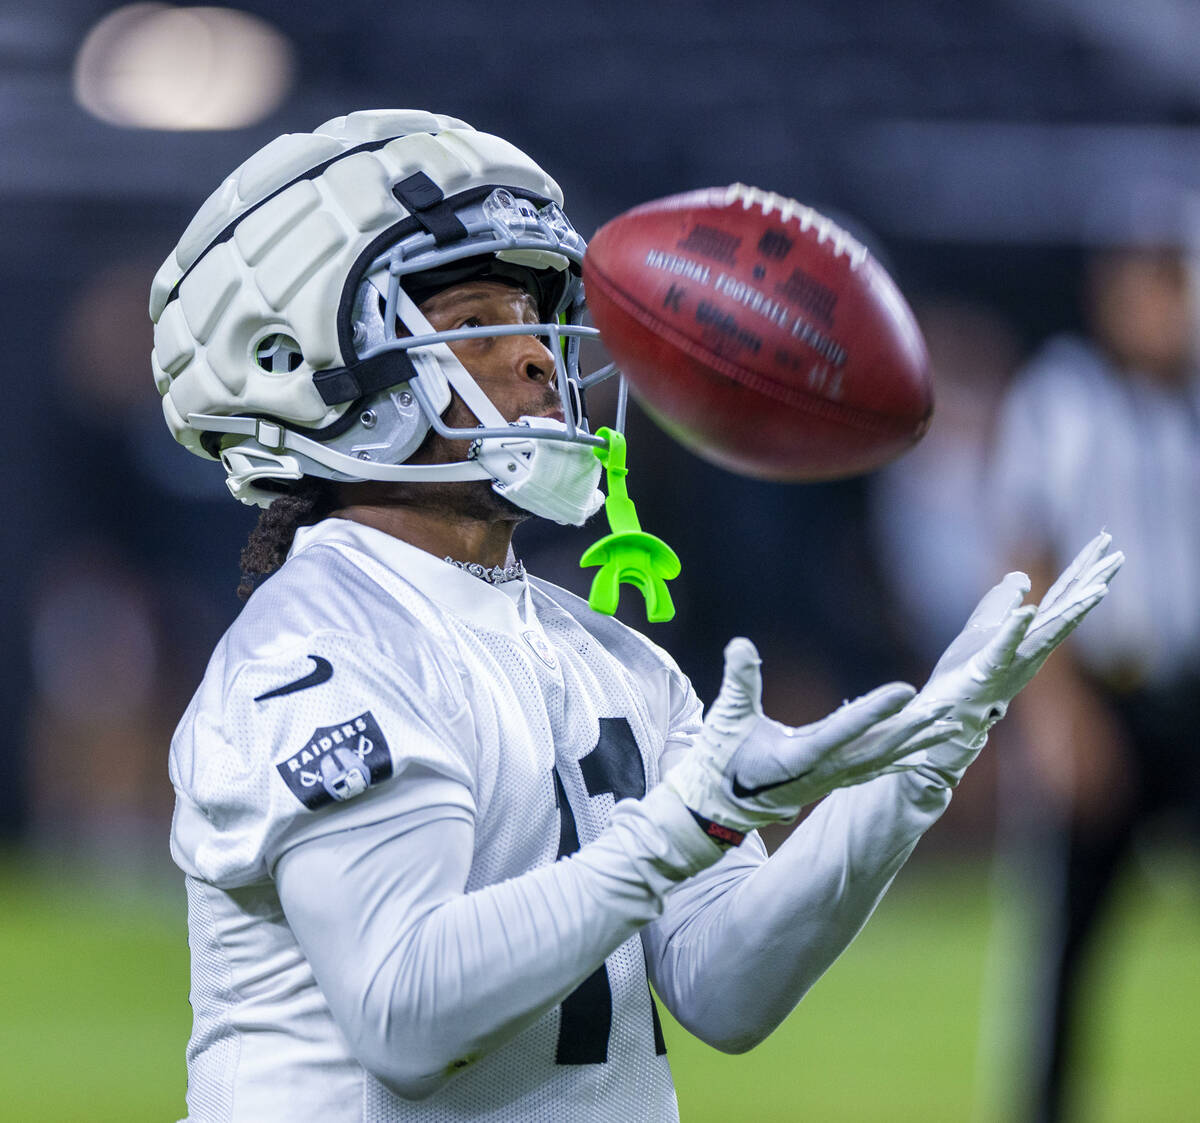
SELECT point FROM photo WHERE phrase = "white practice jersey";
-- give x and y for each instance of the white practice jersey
(368, 682)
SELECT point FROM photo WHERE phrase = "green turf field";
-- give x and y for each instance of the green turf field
(94, 1014)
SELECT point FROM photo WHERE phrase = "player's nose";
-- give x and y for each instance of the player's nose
(532, 360)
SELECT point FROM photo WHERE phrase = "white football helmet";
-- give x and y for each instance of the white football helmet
(288, 339)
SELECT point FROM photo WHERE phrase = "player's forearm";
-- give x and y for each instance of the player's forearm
(444, 978)
(738, 947)
(480, 969)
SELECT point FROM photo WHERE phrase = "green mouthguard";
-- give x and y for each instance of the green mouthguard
(628, 555)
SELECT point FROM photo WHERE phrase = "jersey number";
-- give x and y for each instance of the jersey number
(613, 766)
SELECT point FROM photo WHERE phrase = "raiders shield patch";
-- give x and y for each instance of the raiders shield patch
(338, 763)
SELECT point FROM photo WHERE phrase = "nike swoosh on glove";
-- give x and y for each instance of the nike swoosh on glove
(1003, 645)
(746, 770)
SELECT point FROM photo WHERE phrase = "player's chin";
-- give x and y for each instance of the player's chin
(468, 499)
(484, 502)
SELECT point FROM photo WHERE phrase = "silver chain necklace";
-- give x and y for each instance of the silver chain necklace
(494, 575)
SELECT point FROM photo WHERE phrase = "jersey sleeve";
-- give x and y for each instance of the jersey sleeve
(674, 704)
(440, 977)
(1039, 448)
(740, 944)
(324, 735)
(685, 714)
(1017, 470)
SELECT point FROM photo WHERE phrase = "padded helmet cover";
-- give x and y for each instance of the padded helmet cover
(271, 253)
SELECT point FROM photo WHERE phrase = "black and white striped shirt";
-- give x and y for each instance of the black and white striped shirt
(1080, 446)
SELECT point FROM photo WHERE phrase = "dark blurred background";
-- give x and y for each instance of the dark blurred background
(978, 148)
(983, 150)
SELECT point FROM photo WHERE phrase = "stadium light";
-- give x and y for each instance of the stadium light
(158, 66)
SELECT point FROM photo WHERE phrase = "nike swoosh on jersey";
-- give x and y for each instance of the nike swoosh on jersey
(758, 789)
(322, 672)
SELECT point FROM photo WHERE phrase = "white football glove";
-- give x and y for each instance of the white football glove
(745, 770)
(1002, 647)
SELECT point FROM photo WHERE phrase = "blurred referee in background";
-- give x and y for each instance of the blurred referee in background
(1105, 430)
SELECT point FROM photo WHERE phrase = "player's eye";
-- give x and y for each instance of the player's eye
(471, 322)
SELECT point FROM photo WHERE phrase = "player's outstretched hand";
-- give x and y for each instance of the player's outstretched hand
(746, 771)
(1002, 647)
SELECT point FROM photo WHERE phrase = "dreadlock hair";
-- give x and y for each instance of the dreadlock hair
(309, 501)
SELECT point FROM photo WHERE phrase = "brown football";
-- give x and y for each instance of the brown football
(759, 334)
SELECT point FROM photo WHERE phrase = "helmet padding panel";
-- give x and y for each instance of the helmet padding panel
(260, 230)
(377, 124)
(361, 186)
(286, 267)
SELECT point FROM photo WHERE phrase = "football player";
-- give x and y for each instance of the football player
(440, 821)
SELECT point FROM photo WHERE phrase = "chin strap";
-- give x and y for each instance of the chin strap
(628, 555)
